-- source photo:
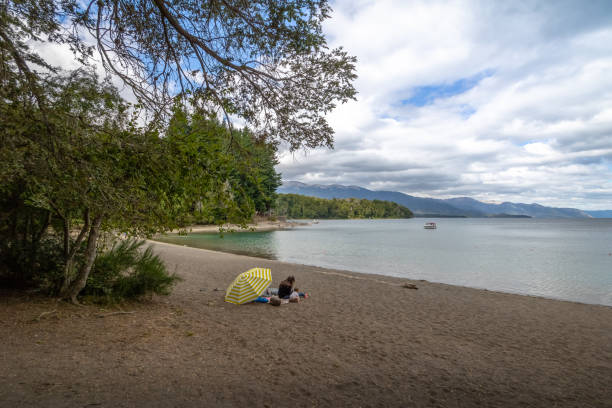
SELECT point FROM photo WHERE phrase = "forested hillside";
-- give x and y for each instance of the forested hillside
(423, 206)
(299, 206)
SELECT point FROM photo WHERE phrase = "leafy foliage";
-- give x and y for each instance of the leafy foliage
(82, 166)
(223, 177)
(77, 158)
(75, 161)
(128, 272)
(22, 267)
(255, 161)
(299, 206)
(264, 61)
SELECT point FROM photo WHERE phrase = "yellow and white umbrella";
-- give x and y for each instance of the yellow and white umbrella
(248, 285)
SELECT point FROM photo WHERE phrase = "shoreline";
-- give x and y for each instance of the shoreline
(260, 226)
(359, 340)
(407, 279)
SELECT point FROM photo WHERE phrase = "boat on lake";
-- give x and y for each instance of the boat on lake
(430, 225)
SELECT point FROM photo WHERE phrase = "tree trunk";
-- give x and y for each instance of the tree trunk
(66, 229)
(68, 272)
(90, 255)
(67, 260)
(69, 253)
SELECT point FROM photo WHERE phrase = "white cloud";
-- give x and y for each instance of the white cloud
(535, 127)
(60, 56)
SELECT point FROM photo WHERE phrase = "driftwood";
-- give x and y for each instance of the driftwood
(409, 286)
(43, 314)
(114, 313)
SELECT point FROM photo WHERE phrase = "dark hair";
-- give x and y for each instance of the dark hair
(290, 279)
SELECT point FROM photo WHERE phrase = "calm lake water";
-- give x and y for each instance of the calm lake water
(561, 259)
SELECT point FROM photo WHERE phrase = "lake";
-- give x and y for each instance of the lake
(560, 259)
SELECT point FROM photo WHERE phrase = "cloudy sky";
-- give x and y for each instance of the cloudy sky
(497, 100)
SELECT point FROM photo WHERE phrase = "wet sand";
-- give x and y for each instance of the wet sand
(360, 340)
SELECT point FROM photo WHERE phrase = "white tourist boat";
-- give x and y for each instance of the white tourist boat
(430, 225)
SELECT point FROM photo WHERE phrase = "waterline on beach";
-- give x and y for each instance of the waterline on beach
(561, 259)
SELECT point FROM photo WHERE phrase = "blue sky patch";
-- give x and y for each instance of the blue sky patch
(425, 95)
(467, 111)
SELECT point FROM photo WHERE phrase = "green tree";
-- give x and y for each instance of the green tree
(299, 206)
(88, 165)
(80, 159)
(205, 170)
(255, 168)
(264, 61)
(73, 156)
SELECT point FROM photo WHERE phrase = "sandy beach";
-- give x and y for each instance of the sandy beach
(259, 225)
(359, 341)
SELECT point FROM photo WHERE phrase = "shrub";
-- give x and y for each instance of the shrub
(128, 272)
(23, 266)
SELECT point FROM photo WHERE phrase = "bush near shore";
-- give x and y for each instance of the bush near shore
(126, 271)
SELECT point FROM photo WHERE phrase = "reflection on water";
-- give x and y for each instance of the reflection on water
(259, 244)
(565, 259)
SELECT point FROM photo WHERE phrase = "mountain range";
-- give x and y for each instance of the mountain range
(452, 207)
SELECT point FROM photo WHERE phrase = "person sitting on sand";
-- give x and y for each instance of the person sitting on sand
(274, 292)
(286, 287)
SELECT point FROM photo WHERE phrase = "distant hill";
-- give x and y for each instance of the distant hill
(600, 214)
(532, 210)
(454, 207)
(417, 205)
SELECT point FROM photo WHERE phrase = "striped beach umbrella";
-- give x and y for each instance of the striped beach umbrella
(248, 285)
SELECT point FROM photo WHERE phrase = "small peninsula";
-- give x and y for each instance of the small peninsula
(301, 207)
